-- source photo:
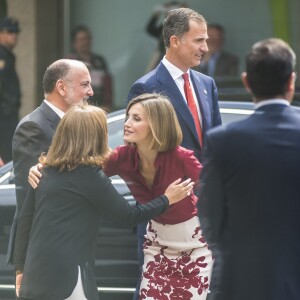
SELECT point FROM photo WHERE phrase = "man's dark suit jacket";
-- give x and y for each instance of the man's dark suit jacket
(160, 81)
(32, 137)
(249, 205)
(59, 223)
(227, 64)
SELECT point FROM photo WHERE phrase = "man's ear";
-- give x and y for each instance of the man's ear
(291, 87)
(174, 40)
(292, 80)
(61, 87)
(245, 82)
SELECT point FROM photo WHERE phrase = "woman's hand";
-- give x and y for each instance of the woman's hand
(177, 190)
(35, 175)
(19, 278)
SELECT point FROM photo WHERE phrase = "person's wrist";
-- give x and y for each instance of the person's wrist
(19, 272)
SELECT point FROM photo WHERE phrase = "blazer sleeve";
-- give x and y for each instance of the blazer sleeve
(29, 141)
(216, 115)
(106, 198)
(211, 204)
(23, 230)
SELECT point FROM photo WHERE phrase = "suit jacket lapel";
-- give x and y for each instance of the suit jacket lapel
(50, 115)
(170, 89)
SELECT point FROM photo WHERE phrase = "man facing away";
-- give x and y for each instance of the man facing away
(249, 201)
(66, 82)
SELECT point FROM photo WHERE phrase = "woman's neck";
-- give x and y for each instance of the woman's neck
(146, 164)
(146, 155)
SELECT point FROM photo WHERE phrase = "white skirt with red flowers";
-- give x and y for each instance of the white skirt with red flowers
(177, 262)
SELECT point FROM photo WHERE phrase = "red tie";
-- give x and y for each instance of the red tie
(192, 105)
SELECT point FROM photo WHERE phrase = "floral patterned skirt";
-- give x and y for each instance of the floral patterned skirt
(177, 262)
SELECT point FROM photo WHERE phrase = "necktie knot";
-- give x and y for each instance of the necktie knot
(185, 76)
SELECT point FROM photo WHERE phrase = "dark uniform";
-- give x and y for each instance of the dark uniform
(10, 95)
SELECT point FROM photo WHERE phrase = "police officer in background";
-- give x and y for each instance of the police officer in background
(10, 94)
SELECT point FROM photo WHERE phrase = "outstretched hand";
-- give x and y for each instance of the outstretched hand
(178, 190)
(35, 175)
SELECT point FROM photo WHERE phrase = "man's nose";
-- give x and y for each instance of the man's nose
(204, 47)
(90, 91)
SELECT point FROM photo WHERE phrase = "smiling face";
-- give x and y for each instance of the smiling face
(136, 127)
(79, 86)
(186, 51)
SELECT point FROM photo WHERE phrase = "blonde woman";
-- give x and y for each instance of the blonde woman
(177, 262)
(59, 221)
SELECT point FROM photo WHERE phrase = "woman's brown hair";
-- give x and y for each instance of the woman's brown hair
(81, 138)
(162, 119)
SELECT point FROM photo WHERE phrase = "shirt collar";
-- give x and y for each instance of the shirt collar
(271, 101)
(173, 70)
(59, 112)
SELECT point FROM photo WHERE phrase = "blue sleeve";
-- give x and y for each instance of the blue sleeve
(211, 204)
(136, 90)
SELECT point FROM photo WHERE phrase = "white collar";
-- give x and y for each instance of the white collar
(173, 70)
(59, 112)
(271, 101)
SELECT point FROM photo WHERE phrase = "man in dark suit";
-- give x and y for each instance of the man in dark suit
(249, 201)
(185, 36)
(66, 82)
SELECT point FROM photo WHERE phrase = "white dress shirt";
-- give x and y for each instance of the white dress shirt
(176, 74)
(59, 112)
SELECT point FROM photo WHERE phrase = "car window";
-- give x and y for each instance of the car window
(115, 131)
(116, 123)
(230, 117)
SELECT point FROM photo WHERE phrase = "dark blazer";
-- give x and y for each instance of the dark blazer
(32, 137)
(227, 64)
(249, 206)
(59, 223)
(160, 81)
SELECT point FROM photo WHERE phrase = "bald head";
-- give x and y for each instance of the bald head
(67, 82)
(60, 69)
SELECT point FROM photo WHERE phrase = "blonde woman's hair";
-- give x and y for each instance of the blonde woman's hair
(81, 138)
(162, 119)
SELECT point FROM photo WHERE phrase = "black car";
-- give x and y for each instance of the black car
(116, 260)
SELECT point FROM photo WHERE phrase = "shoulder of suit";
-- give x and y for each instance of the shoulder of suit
(200, 75)
(39, 116)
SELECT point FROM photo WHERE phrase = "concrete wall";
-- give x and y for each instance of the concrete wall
(24, 11)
